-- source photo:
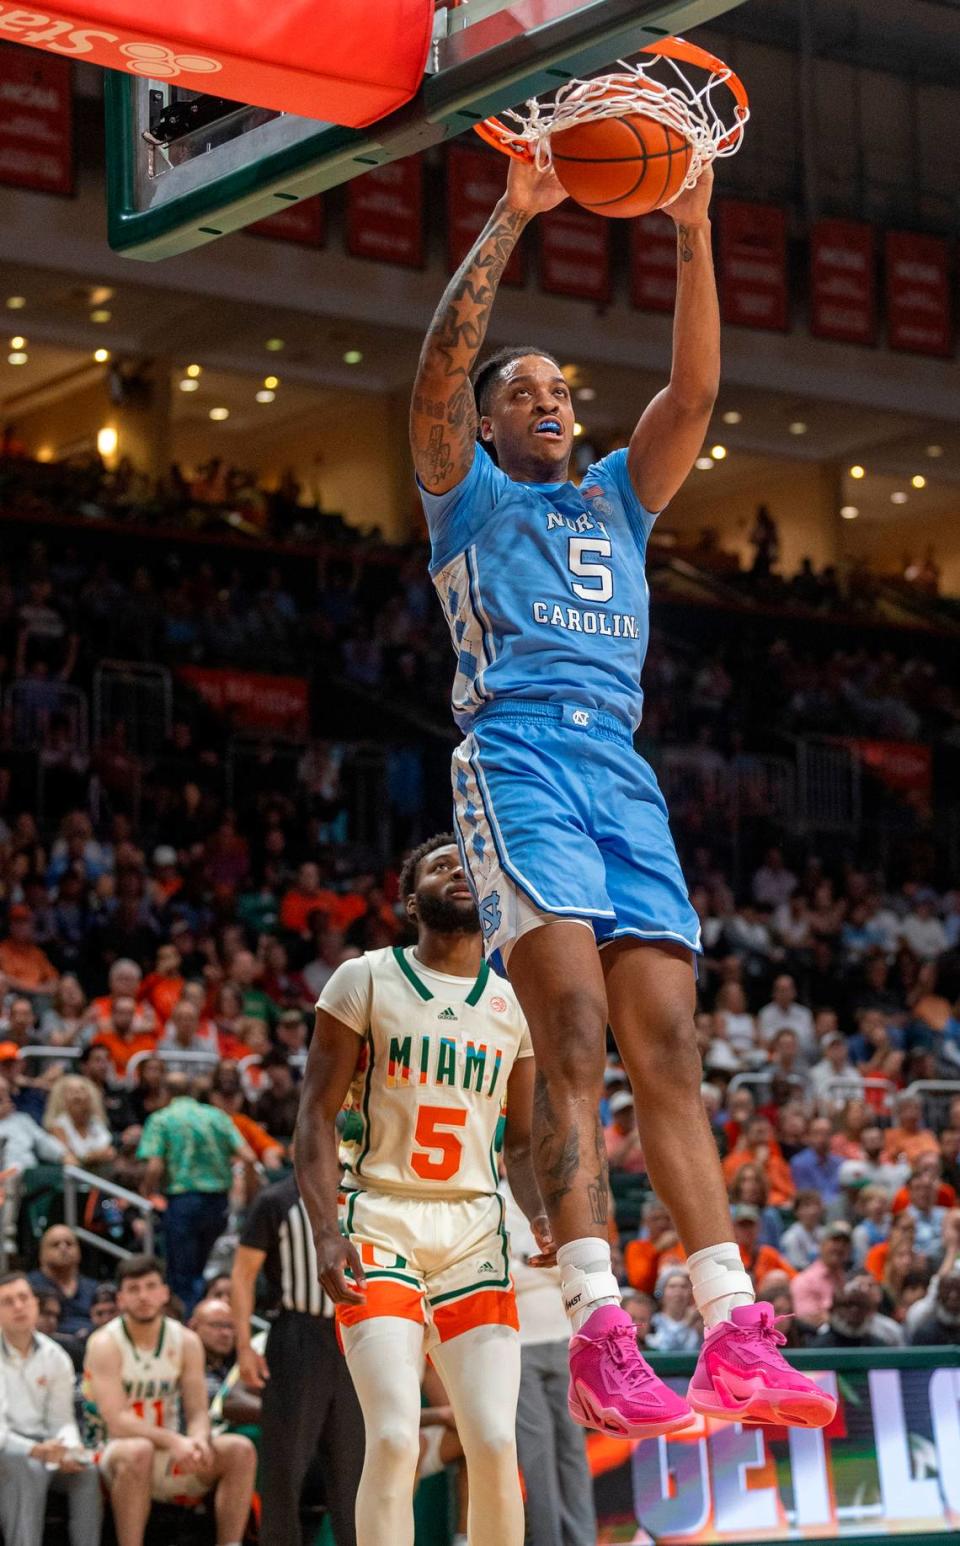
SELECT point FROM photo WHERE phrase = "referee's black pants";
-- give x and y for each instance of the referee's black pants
(309, 1407)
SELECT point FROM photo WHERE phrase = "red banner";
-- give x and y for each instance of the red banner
(304, 222)
(475, 181)
(36, 120)
(385, 214)
(919, 313)
(275, 705)
(653, 263)
(843, 289)
(906, 767)
(574, 254)
(753, 265)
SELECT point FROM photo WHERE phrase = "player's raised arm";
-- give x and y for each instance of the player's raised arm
(443, 418)
(668, 438)
(331, 1064)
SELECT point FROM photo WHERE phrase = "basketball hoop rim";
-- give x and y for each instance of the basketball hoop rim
(504, 139)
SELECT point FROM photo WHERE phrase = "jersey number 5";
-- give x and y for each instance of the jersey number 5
(601, 576)
(446, 1149)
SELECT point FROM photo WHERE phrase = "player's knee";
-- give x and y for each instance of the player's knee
(235, 1453)
(669, 1049)
(499, 1442)
(394, 1448)
(132, 1457)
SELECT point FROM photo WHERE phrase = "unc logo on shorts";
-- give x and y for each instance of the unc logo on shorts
(161, 63)
(580, 718)
(490, 915)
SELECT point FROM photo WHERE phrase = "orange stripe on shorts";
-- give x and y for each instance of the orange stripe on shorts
(491, 1307)
(383, 1298)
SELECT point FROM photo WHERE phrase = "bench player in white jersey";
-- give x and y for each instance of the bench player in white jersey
(146, 1415)
(425, 1045)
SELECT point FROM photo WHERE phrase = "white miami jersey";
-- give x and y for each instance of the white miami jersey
(151, 1379)
(431, 1080)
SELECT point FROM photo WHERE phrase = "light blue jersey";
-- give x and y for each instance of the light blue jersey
(543, 587)
(544, 592)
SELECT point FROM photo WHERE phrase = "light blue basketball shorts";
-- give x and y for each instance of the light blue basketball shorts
(558, 817)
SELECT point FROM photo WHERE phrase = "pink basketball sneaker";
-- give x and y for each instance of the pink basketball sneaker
(742, 1376)
(612, 1388)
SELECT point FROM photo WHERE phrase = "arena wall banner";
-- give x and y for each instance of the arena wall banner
(36, 121)
(475, 181)
(843, 286)
(250, 700)
(575, 254)
(919, 309)
(753, 264)
(653, 263)
(385, 214)
(304, 222)
(887, 1468)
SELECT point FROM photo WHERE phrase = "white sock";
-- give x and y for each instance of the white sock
(586, 1278)
(719, 1281)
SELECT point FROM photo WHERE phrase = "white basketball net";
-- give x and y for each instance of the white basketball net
(634, 89)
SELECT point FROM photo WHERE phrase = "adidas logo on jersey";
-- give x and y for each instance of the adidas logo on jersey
(446, 1014)
(486, 1266)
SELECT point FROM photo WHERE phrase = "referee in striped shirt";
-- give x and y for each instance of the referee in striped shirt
(309, 1403)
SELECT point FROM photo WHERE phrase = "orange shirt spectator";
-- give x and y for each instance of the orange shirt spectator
(28, 968)
(163, 988)
(255, 1136)
(757, 1260)
(644, 1263)
(122, 1048)
(946, 1198)
(902, 1144)
(306, 897)
(759, 1147)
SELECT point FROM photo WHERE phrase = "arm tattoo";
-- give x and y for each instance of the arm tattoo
(443, 423)
(686, 251)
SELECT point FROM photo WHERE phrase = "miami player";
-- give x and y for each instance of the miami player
(424, 1045)
(562, 827)
(145, 1413)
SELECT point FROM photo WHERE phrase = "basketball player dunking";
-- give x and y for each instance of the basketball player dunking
(143, 1377)
(562, 827)
(427, 1043)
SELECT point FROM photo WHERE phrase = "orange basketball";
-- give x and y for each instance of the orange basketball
(621, 166)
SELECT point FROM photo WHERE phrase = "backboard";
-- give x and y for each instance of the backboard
(183, 169)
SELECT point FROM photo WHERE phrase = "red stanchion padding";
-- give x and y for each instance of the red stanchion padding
(342, 61)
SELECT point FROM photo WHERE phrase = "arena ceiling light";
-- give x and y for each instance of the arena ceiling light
(101, 356)
(732, 416)
(17, 357)
(101, 294)
(856, 471)
(704, 464)
(585, 394)
(898, 497)
(274, 345)
(100, 315)
(798, 427)
(719, 453)
(189, 384)
(578, 428)
(932, 451)
(19, 342)
(193, 370)
(107, 440)
(918, 480)
(16, 302)
(219, 414)
(265, 395)
(352, 357)
(849, 512)
(271, 383)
